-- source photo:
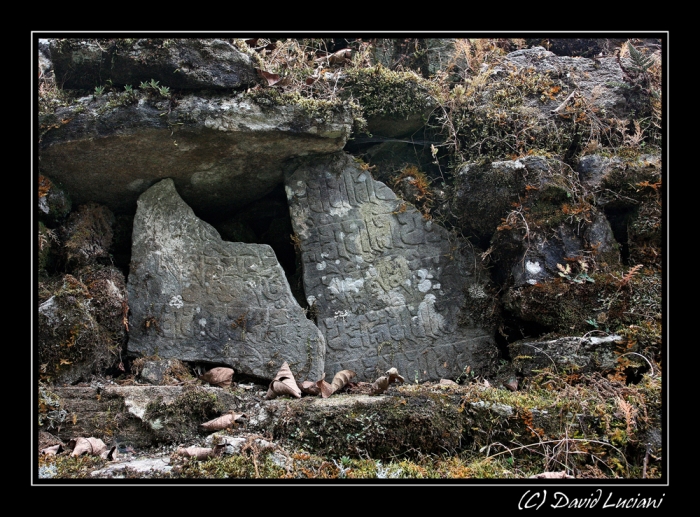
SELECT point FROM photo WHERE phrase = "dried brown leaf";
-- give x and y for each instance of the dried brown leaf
(222, 422)
(326, 389)
(394, 376)
(272, 79)
(309, 387)
(219, 376)
(283, 384)
(552, 475)
(337, 58)
(200, 453)
(92, 446)
(341, 379)
(380, 385)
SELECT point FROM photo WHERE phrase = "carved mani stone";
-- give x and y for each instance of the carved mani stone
(388, 286)
(195, 297)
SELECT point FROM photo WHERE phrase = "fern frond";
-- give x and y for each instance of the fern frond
(629, 275)
(640, 62)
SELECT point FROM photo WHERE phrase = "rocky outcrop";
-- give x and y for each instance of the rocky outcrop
(597, 81)
(222, 152)
(536, 214)
(388, 287)
(183, 63)
(198, 298)
(543, 324)
(572, 354)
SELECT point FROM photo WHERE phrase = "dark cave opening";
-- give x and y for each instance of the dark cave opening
(267, 221)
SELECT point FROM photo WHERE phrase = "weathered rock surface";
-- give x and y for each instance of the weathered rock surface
(174, 62)
(430, 420)
(595, 80)
(388, 286)
(81, 322)
(198, 298)
(581, 354)
(222, 152)
(535, 213)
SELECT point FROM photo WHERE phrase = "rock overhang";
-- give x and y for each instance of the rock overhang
(223, 151)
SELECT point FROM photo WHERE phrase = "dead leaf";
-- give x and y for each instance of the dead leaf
(283, 384)
(309, 387)
(272, 79)
(224, 421)
(200, 453)
(252, 42)
(91, 446)
(394, 376)
(448, 382)
(219, 376)
(512, 384)
(53, 450)
(552, 475)
(341, 379)
(380, 385)
(326, 389)
(337, 58)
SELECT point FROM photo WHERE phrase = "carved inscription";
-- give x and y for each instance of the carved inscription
(386, 282)
(213, 300)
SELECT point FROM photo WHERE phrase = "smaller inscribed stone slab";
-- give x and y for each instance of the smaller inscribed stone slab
(387, 284)
(196, 297)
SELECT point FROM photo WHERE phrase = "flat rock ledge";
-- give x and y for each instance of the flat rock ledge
(432, 419)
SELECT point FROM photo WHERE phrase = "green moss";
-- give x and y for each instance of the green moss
(69, 467)
(391, 427)
(383, 92)
(69, 333)
(179, 420)
(234, 466)
(325, 110)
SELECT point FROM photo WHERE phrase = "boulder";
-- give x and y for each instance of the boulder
(597, 81)
(536, 216)
(585, 354)
(222, 152)
(173, 62)
(198, 298)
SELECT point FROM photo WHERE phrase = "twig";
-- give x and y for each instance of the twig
(545, 353)
(559, 442)
(566, 101)
(640, 355)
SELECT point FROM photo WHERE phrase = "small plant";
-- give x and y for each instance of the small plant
(128, 88)
(580, 277)
(99, 90)
(154, 87)
(641, 63)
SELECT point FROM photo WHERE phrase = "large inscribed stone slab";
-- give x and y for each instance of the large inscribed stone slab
(387, 285)
(195, 297)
